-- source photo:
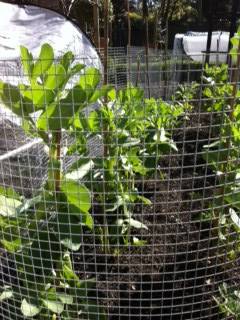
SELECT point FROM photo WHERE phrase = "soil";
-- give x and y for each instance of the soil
(178, 271)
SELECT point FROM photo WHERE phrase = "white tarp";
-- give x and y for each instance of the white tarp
(32, 26)
(194, 45)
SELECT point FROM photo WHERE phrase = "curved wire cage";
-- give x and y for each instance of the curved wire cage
(144, 223)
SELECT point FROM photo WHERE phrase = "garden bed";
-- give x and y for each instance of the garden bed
(177, 273)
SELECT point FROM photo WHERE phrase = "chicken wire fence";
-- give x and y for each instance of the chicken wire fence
(120, 201)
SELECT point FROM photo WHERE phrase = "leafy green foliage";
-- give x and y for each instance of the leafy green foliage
(40, 231)
(217, 90)
(229, 301)
(134, 132)
(223, 157)
(235, 46)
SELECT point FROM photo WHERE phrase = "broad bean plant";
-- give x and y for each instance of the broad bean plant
(95, 195)
(223, 155)
(41, 232)
(229, 301)
(134, 133)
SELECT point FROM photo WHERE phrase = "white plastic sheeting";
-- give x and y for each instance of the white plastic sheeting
(194, 45)
(32, 26)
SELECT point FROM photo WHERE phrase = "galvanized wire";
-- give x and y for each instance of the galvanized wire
(178, 270)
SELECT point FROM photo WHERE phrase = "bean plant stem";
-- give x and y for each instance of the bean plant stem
(54, 173)
(105, 181)
(105, 129)
(58, 158)
(234, 81)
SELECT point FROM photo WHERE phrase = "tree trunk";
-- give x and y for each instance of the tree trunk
(145, 18)
(166, 13)
(106, 36)
(128, 22)
(96, 35)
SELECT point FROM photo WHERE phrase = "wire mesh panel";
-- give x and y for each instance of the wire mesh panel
(116, 202)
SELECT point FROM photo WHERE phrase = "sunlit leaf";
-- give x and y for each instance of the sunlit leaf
(9, 207)
(66, 60)
(78, 197)
(82, 171)
(235, 218)
(54, 306)
(7, 293)
(11, 246)
(136, 224)
(44, 61)
(69, 244)
(28, 309)
(11, 98)
(65, 298)
(38, 96)
(27, 61)
(138, 242)
(55, 77)
(90, 79)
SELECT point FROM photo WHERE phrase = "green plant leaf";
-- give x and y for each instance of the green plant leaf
(234, 199)
(68, 229)
(235, 41)
(144, 200)
(44, 251)
(65, 298)
(131, 94)
(11, 98)
(104, 91)
(11, 246)
(78, 197)
(9, 207)
(235, 218)
(7, 293)
(84, 168)
(118, 203)
(29, 203)
(66, 60)
(28, 309)
(54, 306)
(27, 61)
(90, 79)
(130, 142)
(44, 61)
(94, 311)
(76, 69)
(139, 243)
(94, 122)
(39, 95)
(9, 193)
(84, 286)
(69, 244)
(69, 275)
(136, 224)
(59, 115)
(55, 77)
